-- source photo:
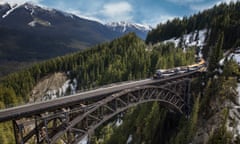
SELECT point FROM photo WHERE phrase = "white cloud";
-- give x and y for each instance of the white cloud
(12, 2)
(226, 1)
(154, 21)
(85, 15)
(185, 2)
(201, 7)
(204, 6)
(118, 11)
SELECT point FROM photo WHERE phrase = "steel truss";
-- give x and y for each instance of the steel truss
(71, 124)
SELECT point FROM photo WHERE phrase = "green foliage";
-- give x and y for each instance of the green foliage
(147, 120)
(167, 56)
(231, 68)
(224, 18)
(123, 59)
(188, 127)
(216, 92)
(6, 134)
(221, 135)
(140, 122)
(7, 96)
(216, 54)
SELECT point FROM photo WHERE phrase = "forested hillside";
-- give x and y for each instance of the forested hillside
(214, 117)
(130, 58)
(224, 18)
(123, 59)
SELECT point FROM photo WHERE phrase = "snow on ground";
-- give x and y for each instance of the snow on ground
(173, 40)
(221, 62)
(73, 86)
(55, 93)
(64, 88)
(84, 140)
(235, 56)
(233, 124)
(119, 122)
(129, 139)
(234, 111)
(196, 38)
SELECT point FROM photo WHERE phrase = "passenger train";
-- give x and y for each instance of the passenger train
(161, 73)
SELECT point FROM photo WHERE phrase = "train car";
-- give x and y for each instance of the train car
(197, 66)
(161, 73)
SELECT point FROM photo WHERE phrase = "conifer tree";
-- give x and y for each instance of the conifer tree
(216, 54)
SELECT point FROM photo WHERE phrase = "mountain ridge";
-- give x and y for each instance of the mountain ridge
(126, 27)
(34, 33)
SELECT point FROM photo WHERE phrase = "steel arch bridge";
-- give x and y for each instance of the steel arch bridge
(73, 122)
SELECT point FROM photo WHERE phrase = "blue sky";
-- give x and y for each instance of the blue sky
(149, 12)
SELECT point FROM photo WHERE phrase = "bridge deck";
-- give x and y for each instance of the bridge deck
(40, 107)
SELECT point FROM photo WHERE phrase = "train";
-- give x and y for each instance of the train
(161, 73)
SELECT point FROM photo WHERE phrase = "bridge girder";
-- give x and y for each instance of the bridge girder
(80, 120)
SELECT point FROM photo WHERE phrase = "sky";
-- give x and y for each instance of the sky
(149, 12)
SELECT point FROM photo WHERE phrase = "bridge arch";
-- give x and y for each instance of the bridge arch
(91, 118)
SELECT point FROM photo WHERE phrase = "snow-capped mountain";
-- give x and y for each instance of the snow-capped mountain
(31, 32)
(125, 27)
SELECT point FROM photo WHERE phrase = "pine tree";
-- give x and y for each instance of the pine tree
(216, 54)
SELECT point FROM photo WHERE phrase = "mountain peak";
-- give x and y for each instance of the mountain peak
(125, 24)
(126, 27)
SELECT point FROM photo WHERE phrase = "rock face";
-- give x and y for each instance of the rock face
(49, 87)
(233, 123)
(207, 126)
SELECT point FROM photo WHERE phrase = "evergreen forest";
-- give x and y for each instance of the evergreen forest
(130, 58)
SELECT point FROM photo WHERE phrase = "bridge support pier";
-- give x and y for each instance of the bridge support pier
(18, 132)
(37, 130)
(187, 97)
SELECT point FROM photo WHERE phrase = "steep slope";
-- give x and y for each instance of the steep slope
(123, 59)
(32, 33)
(223, 18)
(216, 117)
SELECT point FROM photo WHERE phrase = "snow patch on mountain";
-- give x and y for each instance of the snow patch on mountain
(122, 26)
(11, 10)
(125, 27)
(40, 22)
(29, 8)
(67, 14)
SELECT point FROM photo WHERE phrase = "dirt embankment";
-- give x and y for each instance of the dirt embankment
(49, 84)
